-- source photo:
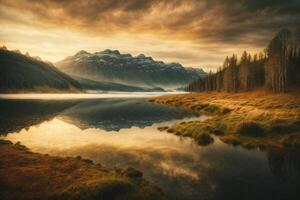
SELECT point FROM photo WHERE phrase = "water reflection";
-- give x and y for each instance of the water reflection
(115, 114)
(18, 114)
(107, 114)
(183, 169)
(284, 163)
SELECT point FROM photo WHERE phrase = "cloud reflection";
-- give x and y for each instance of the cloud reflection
(179, 166)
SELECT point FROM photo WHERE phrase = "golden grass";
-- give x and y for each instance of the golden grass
(26, 175)
(278, 114)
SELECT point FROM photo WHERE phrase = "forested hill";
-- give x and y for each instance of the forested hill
(277, 68)
(21, 73)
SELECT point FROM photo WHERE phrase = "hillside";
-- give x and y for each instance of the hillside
(112, 66)
(20, 73)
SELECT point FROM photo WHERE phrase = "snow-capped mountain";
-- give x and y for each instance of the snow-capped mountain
(112, 66)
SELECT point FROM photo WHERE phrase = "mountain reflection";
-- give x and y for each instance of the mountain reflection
(115, 114)
(183, 169)
(18, 114)
(106, 114)
(123, 132)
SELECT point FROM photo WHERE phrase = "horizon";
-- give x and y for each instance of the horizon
(121, 53)
(192, 33)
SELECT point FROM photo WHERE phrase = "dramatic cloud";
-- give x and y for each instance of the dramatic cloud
(229, 24)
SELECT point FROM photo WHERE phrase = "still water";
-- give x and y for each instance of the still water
(120, 131)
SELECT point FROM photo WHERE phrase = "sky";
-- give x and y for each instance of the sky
(197, 33)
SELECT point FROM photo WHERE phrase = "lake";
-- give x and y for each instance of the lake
(119, 130)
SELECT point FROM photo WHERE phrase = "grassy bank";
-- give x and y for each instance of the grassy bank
(26, 175)
(252, 119)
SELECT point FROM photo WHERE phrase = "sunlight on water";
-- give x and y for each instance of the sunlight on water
(57, 137)
(86, 95)
(164, 158)
(123, 132)
(61, 135)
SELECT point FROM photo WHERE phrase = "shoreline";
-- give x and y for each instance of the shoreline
(250, 119)
(28, 175)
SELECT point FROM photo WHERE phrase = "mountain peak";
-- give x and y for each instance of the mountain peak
(109, 51)
(82, 52)
(3, 48)
(17, 51)
(141, 56)
(37, 58)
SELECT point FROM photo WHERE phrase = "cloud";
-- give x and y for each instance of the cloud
(208, 20)
(221, 23)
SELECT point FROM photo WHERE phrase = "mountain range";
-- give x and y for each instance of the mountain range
(107, 71)
(112, 66)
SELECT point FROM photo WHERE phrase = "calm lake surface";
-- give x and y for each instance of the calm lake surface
(122, 131)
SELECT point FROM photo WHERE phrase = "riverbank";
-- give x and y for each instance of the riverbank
(27, 175)
(252, 119)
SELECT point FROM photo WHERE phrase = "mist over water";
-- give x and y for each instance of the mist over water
(123, 132)
(94, 95)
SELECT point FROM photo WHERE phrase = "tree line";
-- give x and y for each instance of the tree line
(277, 68)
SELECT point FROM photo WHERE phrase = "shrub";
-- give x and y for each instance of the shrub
(211, 108)
(218, 132)
(199, 106)
(170, 130)
(250, 129)
(163, 128)
(204, 139)
(220, 126)
(132, 173)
